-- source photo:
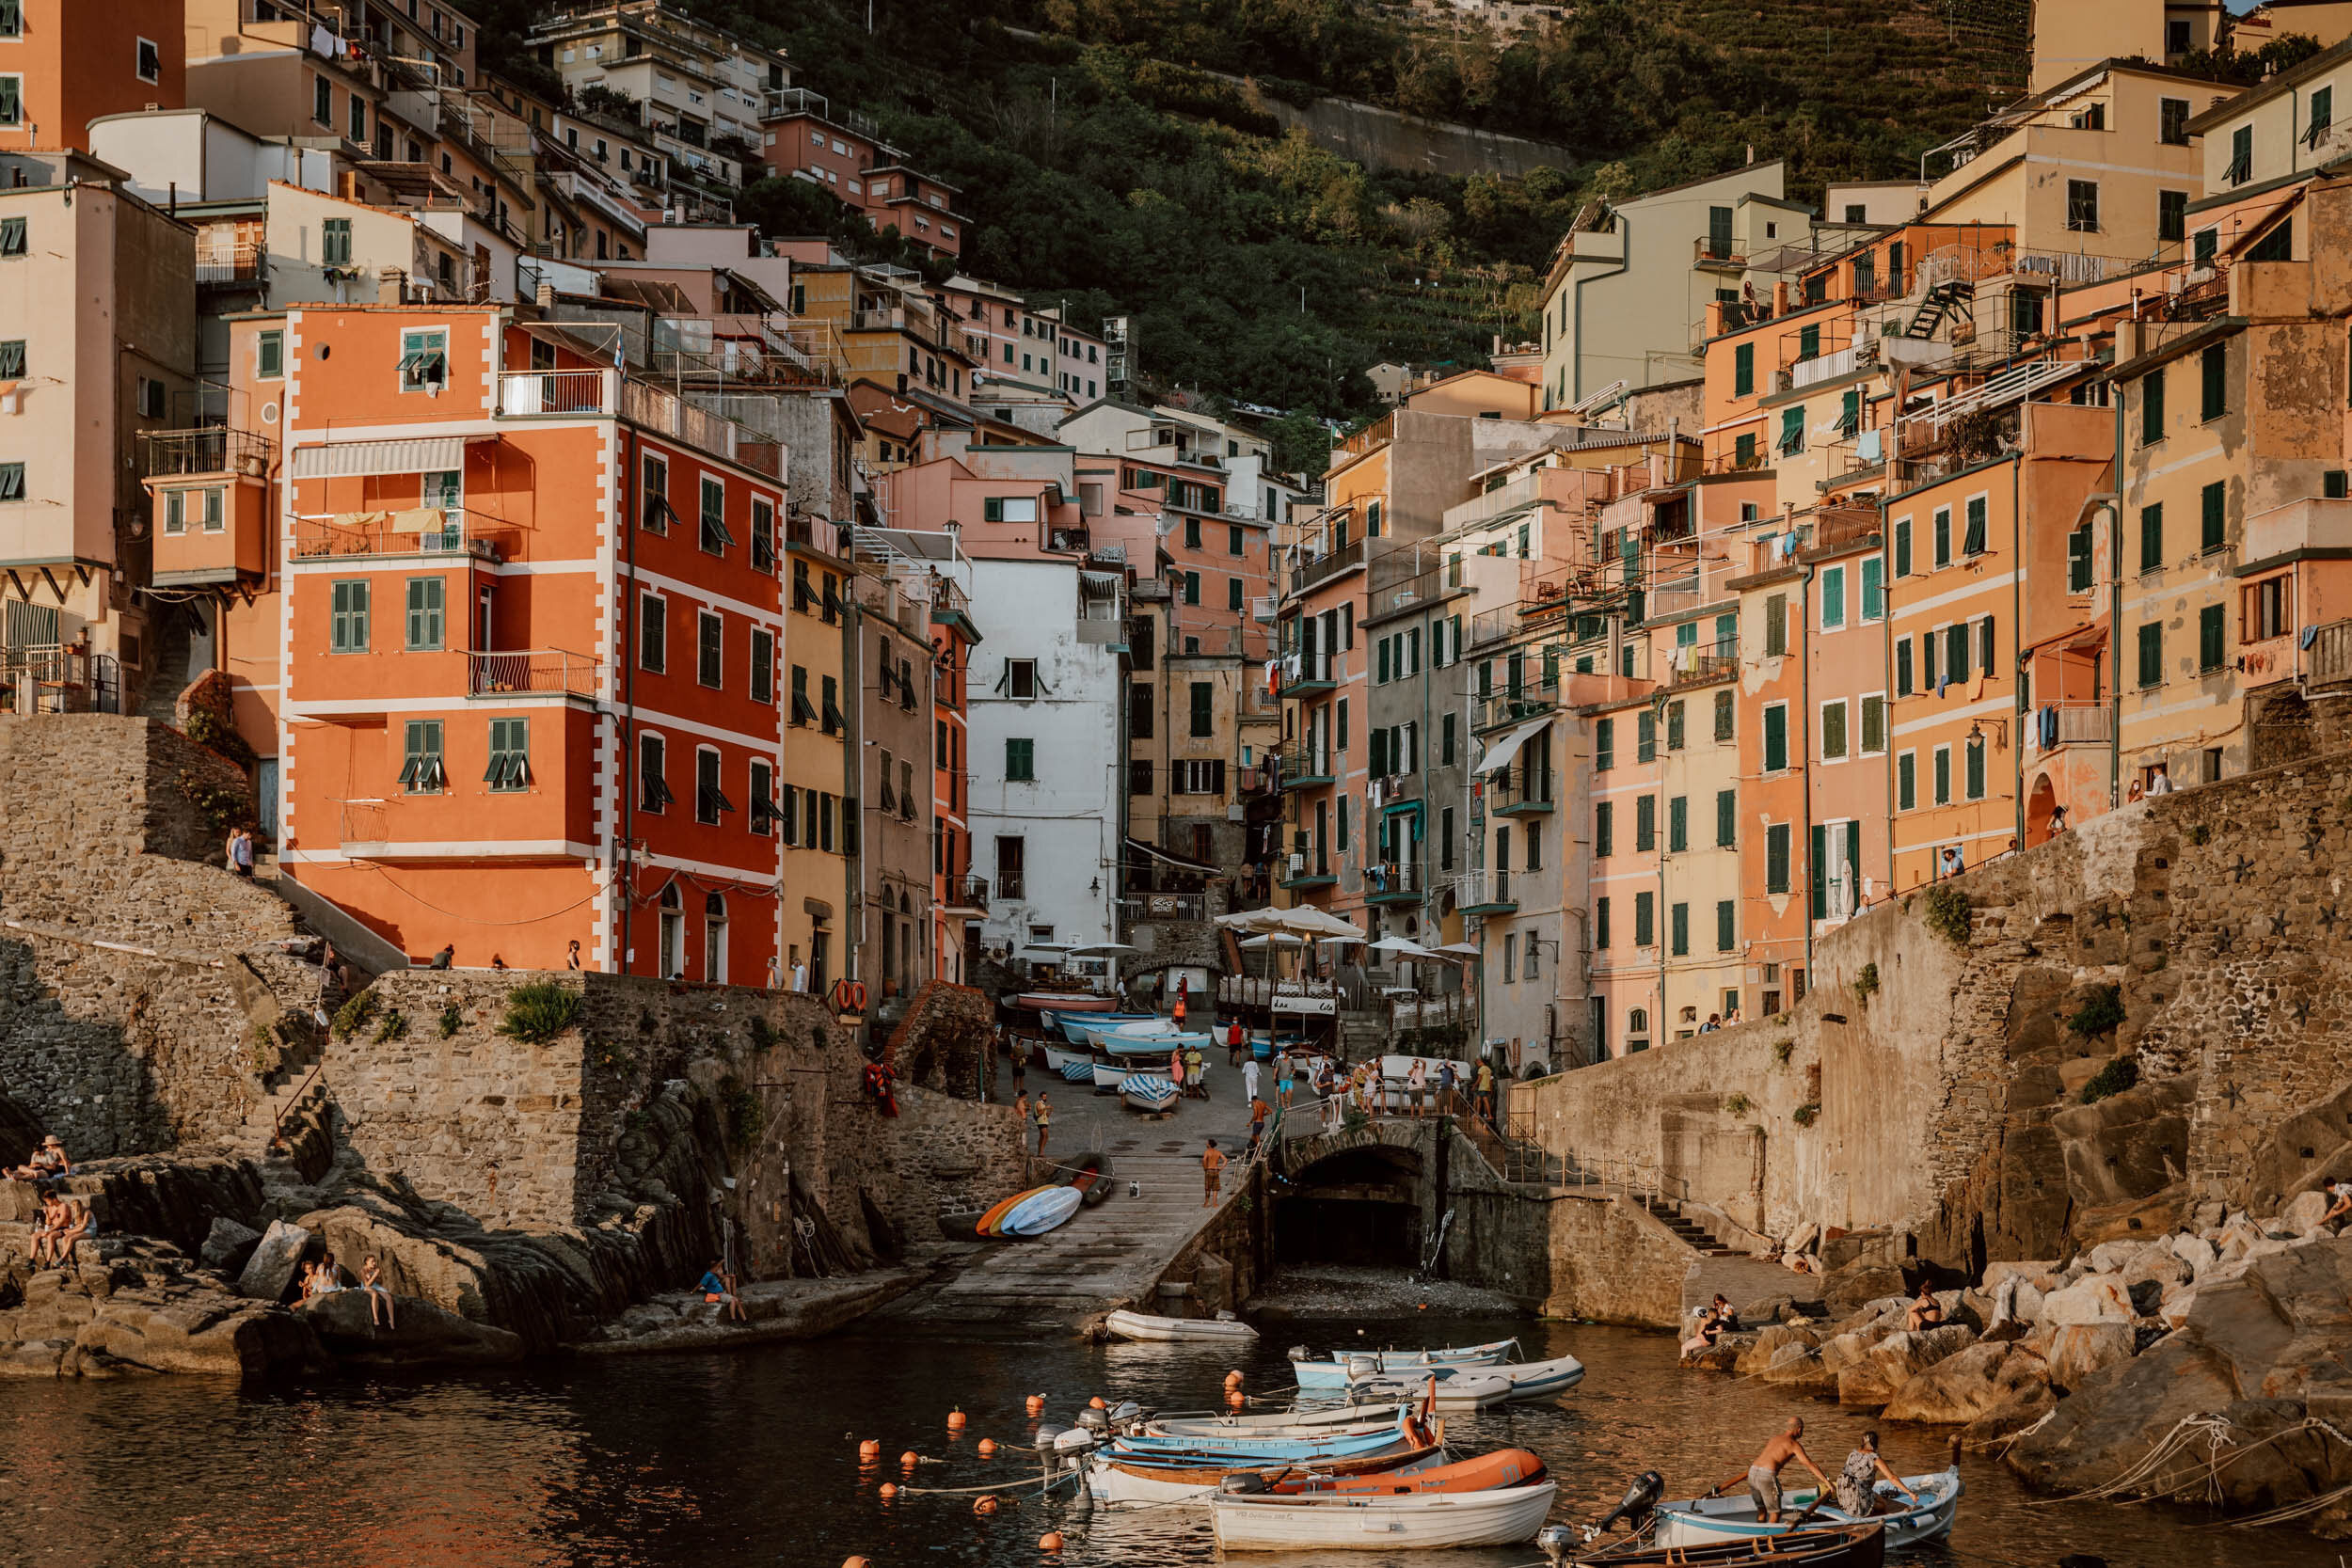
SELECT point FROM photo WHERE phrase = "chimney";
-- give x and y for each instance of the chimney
(545, 296)
(1750, 152)
(1780, 299)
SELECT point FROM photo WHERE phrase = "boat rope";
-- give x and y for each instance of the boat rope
(2215, 1430)
(1015, 1487)
(2004, 1444)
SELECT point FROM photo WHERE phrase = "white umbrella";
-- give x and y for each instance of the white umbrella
(1402, 947)
(1304, 921)
(1467, 949)
(1275, 939)
(1351, 939)
(1100, 949)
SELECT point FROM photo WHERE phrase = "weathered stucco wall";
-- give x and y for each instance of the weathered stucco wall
(1947, 1104)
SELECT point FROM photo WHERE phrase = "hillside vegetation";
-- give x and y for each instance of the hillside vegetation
(1106, 167)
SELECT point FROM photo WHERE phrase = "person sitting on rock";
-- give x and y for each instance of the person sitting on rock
(718, 1289)
(331, 1278)
(78, 1226)
(1858, 1481)
(1724, 1316)
(2341, 1192)
(48, 1162)
(380, 1312)
(46, 1230)
(1923, 1312)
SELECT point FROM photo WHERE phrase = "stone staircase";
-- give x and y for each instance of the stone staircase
(167, 673)
(1362, 1036)
(1692, 1234)
(288, 1133)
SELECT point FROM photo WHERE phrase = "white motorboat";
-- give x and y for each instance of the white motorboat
(1457, 1387)
(1337, 1371)
(1209, 1424)
(1507, 1517)
(1711, 1521)
(1110, 1075)
(1058, 1057)
(1143, 1325)
(1147, 1092)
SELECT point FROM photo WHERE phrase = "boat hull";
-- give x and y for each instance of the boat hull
(1042, 1213)
(1844, 1546)
(1370, 1417)
(1123, 1481)
(1705, 1520)
(1109, 1075)
(1331, 1372)
(1058, 1057)
(1146, 1092)
(1467, 1389)
(1074, 1029)
(1143, 1325)
(1508, 1517)
(1064, 1002)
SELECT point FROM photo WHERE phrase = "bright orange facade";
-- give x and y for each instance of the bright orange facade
(65, 65)
(534, 639)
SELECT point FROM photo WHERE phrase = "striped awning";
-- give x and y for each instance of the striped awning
(363, 459)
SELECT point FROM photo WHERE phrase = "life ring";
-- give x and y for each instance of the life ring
(848, 996)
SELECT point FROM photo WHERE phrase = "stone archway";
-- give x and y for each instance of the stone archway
(2039, 803)
(1358, 1205)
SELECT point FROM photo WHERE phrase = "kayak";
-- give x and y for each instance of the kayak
(1036, 1214)
(991, 1221)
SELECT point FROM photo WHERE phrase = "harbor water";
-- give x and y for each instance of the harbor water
(705, 1460)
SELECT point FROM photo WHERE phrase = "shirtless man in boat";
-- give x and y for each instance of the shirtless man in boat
(1763, 1477)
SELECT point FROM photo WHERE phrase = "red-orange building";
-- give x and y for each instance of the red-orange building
(63, 65)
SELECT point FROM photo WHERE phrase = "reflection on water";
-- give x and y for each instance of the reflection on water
(752, 1459)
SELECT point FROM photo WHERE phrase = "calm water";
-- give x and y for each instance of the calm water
(751, 1458)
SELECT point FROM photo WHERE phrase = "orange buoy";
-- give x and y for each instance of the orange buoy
(1232, 1380)
(955, 1420)
(984, 1504)
(888, 1490)
(857, 1562)
(1036, 1404)
(871, 1448)
(1097, 1402)
(910, 1459)
(1234, 1399)
(988, 1446)
(1049, 1541)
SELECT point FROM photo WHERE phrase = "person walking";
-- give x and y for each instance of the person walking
(1212, 1176)
(1249, 1079)
(1044, 1121)
(1021, 1068)
(1417, 1083)
(1176, 1067)
(1196, 1072)
(1285, 1074)
(1484, 1084)
(1233, 1040)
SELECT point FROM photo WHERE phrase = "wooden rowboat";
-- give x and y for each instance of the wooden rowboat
(1117, 1478)
(1855, 1545)
(1702, 1520)
(1507, 1517)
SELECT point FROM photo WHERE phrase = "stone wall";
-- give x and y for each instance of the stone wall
(1935, 1088)
(132, 974)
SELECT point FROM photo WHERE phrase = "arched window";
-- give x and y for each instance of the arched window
(1638, 1021)
(671, 949)
(715, 937)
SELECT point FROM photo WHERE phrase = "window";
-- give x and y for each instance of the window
(653, 633)
(2173, 122)
(710, 802)
(1645, 737)
(2151, 406)
(1678, 825)
(2209, 638)
(321, 101)
(1943, 775)
(1974, 753)
(2265, 612)
(2151, 655)
(763, 665)
(2214, 381)
(1600, 924)
(1192, 588)
(1906, 781)
(149, 60)
(1902, 667)
(1604, 745)
(709, 647)
(11, 19)
(1930, 641)
(2152, 537)
(715, 537)
(1445, 839)
(1673, 726)
(347, 628)
(269, 354)
(1604, 829)
(1873, 724)
(2082, 206)
(1726, 817)
(1203, 699)
(1775, 624)
(420, 769)
(1833, 597)
(2241, 167)
(1020, 680)
(1873, 596)
(1742, 370)
(423, 360)
(1776, 738)
(1833, 731)
(1679, 928)
(1976, 542)
(150, 398)
(1445, 734)
(654, 514)
(1956, 653)
(2078, 559)
(2024, 313)
(2173, 215)
(510, 755)
(1233, 594)
(1644, 919)
(804, 711)
(1139, 776)
(425, 615)
(1009, 509)
(1723, 708)
(1791, 430)
(2213, 531)
(834, 723)
(1021, 761)
(1776, 858)
(2320, 115)
(1645, 824)
(1902, 546)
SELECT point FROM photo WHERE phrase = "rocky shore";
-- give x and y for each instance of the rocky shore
(2212, 1364)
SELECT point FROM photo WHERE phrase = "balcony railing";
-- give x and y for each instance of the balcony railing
(366, 825)
(1305, 768)
(1303, 870)
(1392, 882)
(1330, 564)
(1697, 664)
(418, 531)
(1484, 892)
(240, 264)
(967, 891)
(2331, 655)
(1513, 794)
(1829, 367)
(1708, 250)
(535, 671)
(1264, 608)
(665, 415)
(214, 449)
(1306, 673)
(527, 394)
(1509, 707)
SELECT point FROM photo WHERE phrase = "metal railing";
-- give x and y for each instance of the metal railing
(1505, 707)
(1706, 247)
(1474, 888)
(1688, 666)
(244, 262)
(1510, 790)
(2331, 655)
(1330, 564)
(421, 531)
(1309, 764)
(213, 450)
(1313, 669)
(658, 411)
(1829, 367)
(525, 394)
(494, 674)
(2076, 723)
(968, 892)
(1394, 880)
(365, 822)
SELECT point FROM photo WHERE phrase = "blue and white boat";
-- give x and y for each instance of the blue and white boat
(1036, 1215)
(1712, 1521)
(1148, 1091)
(1197, 1448)
(1079, 1071)
(1338, 1371)
(1075, 1026)
(1110, 1075)
(1457, 1387)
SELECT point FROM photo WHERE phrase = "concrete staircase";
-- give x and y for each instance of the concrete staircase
(168, 672)
(288, 1133)
(1693, 1235)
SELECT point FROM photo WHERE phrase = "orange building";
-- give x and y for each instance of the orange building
(63, 65)
(533, 644)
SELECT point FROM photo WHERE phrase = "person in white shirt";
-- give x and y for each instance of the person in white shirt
(799, 975)
(2160, 782)
(1249, 1079)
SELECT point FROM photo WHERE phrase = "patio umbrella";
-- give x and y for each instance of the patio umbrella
(1303, 920)
(1274, 939)
(1100, 949)
(1402, 947)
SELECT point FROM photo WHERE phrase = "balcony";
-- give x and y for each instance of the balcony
(236, 266)
(1514, 794)
(967, 895)
(644, 403)
(2071, 724)
(1707, 250)
(1498, 708)
(1484, 893)
(1330, 565)
(210, 494)
(1393, 882)
(1492, 626)
(1305, 674)
(1375, 435)
(562, 394)
(1306, 770)
(1300, 873)
(414, 530)
(2329, 659)
(1265, 608)
(533, 672)
(2309, 524)
(1698, 665)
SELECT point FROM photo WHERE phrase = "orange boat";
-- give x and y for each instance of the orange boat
(995, 1218)
(1488, 1472)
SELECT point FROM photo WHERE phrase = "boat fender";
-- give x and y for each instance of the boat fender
(1242, 1483)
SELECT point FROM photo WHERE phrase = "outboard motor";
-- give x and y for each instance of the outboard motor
(1635, 1507)
(1555, 1540)
(1242, 1483)
(1361, 1367)
(1075, 1443)
(1300, 1352)
(1093, 1419)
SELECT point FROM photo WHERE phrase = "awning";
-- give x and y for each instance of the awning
(363, 459)
(1499, 756)
(1168, 857)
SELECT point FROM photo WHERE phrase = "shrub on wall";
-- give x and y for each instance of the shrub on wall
(746, 1112)
(1804, 1116)
(354, 1014)
(2114, 1078)
(1866, 984)
(1945, 912)
(2101, 1011)
(539, 1012)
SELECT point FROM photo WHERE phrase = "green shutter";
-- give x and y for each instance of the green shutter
(1906, 781)
(1604, 745)
(2152, 406)
(1775, 738)
(1673, 726)
(2150, 654)
(2215, 365)
(1644, 919)
(1956, 652)
(1679, 824)
(2209, 638)
(1976, 543)
(1943, 536)
(1725, 932)
(2215, 516)
(1645, 824)
(1832, 731)
(1604, 829)
(1776, 858)
(1680, 918)
(2078, 561)
(1973, 755)
(1833, 598)
(1817, 873)
(1742, 370)
(1902, 546)
(1873, 724)
(1726, 817)
(1943, 775)
(1873, 599)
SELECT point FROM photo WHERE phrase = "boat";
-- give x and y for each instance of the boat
(1065, 1001)
(1503, 1517)
(1115, 1479)
(1488, 1472)
(1855, 1545)
(1153, 1046)
(1338, 1371)
(1257, 1448)
(1143, 1325)
(1090, 1177)
(1450, 1387)
(1537, 1380)
(1041, 1213)
(1058, 1058)
(1109, 1075)
(1210, 1422)
(1700, 1520)
(1147, 1091)
(1074, 1029)
(994, 1217)
(1079, 1071)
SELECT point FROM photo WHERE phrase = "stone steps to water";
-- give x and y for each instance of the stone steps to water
(1697, 1237)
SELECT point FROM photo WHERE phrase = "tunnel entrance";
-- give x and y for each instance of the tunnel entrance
(1362, 1206)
